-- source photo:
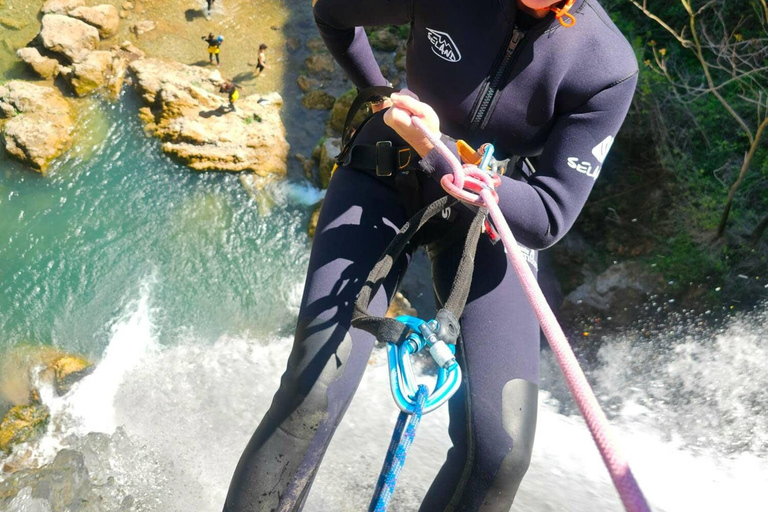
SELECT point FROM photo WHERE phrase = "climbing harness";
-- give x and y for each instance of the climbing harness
(472, 184)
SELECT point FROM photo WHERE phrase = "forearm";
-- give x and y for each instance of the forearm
(340, 23)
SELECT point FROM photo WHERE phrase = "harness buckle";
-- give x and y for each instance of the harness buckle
(384, 160)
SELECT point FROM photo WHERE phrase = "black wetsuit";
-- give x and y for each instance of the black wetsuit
(563, 96)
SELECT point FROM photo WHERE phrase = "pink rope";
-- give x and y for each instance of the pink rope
(483, 194)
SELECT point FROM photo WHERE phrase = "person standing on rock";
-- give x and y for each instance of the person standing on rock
(214, 47)
(262, 60)
(233, 93)
(537, 78)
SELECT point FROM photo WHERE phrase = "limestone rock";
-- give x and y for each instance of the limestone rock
(70, 37)
(61, 6)
(312, 225)
(92, 73)
(321, 65)
(63, 485)
(292, 44)
(197, 126)
(21, 424)
(622, 287)
(307, 84)
(384, 40)
(12, 23)
(318, 100)
(329, 150)
(400, 58)
(68, 370)
(316, 45)
(130, 51)
(142, 27)
(400, 306)
(104, 17)
(341, 108)
(44, 66)
(40, 124)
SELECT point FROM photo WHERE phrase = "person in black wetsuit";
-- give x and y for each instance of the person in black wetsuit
(535, 78)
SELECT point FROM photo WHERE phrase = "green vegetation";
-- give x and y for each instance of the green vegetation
(689, 187)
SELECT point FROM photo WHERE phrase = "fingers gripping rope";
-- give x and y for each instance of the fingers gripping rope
(474, 186)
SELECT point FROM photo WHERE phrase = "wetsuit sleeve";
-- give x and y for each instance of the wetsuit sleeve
(341, 22)
(542, 210)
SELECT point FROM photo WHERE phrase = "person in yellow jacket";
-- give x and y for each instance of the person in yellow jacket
(214, 47)
(234, 92)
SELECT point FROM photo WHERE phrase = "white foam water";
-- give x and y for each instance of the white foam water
(178, 417)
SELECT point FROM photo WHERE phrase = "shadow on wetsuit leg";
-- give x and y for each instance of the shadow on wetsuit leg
(493, 417)
(359, 218)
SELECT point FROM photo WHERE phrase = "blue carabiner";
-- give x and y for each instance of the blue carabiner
(402, 379)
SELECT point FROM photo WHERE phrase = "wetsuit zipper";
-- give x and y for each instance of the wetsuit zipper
(495, 79)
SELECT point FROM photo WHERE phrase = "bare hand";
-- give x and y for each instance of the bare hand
(404, 105)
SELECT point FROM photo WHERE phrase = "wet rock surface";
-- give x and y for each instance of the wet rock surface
(39, 123)
(21, 424)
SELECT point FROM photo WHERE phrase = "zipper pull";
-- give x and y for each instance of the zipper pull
(517, 36)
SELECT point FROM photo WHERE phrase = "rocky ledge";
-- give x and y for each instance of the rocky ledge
(197, 126)
(39, 123)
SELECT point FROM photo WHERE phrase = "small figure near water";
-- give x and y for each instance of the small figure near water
(214, 47)
(234, 93)
(262, 62)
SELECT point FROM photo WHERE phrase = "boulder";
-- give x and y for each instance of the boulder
(400, 306)
(63, 485)
(316, 45)
(616, 292)
(292, 43)
(44, 66)
(104, 17)
(12, 23)
(329, 150)
(92, 73)
(320, 64)
(69, 37)
(383, 39)
(400, 58)
(318, 100)
(61, 6)
(197, 127)
(341, 108)
(21, 424)
(67, 370)
(312, 224)
(142, 27)
(307, 84)
(39, 126)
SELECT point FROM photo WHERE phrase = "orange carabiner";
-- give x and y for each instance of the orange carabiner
(562, 12)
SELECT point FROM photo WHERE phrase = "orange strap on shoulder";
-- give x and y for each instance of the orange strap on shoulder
(562, 14)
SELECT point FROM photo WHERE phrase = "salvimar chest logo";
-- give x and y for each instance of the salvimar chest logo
(443, 46)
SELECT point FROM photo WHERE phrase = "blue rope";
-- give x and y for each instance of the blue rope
(397, 451)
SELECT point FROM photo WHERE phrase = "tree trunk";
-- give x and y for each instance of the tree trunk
(737, 183)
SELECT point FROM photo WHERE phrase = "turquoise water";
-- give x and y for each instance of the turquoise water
(76, 245)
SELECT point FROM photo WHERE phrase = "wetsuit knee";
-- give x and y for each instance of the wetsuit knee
(519, 406)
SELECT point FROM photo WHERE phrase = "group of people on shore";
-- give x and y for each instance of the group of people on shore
(214, 50)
